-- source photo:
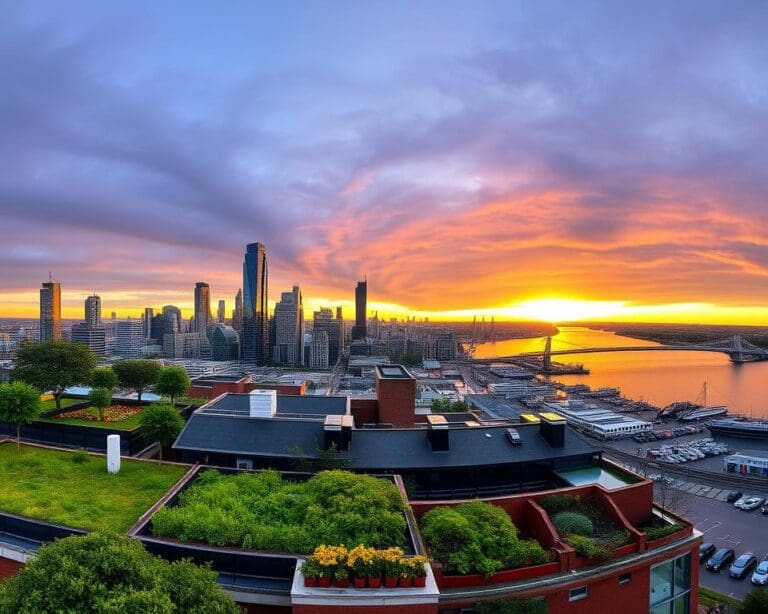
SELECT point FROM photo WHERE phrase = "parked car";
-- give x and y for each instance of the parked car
(741, 501)
(705, 551)
(760, 575)
(751, 503)
(720, 559)
(733, 496)
(742, 566)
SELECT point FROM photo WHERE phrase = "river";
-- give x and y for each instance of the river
(657, 377)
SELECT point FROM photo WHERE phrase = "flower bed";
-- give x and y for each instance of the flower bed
(114, 413)
(364, 567)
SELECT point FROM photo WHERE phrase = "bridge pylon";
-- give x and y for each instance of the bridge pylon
(548, 355)
(737, 351)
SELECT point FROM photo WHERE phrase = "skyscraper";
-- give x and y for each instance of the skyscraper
(93, 311)
(130, 338)
(323, 322)
(289, 328)
(202, 307)
(237, 313)
(221, 311)
(171, 320)
(50, 311)
(255, 337)
(359, 330)
(319, 355)
(146, 321)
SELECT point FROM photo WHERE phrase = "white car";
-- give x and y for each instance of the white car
(751, 503)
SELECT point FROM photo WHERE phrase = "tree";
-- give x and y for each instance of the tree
(440, 405)
(19, 404)
(161, 423)
(137, 374)
(110, 573)
(104, 378)
(54, 365)
(173, 381)
(101, 398)
(756, 602)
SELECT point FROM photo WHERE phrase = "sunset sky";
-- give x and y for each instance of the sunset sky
(553, 160)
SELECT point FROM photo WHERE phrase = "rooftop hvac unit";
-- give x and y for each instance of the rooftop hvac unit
(263, 403)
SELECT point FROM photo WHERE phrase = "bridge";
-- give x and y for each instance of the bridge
(737, 349)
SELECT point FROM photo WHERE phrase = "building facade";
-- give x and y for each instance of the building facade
(288, 324)
(50, 311)
(202, 315)
(255, 338)
(130, 338)
(93, 311)
(319, 357)
(359, 330)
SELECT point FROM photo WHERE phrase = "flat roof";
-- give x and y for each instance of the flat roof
(218, 378)
(393, 372)
(306, 405)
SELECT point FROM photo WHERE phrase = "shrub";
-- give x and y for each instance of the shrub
(653, 532)
(477, 537)
(80, 456)
(554, 504)
(588, 548)
(573, 522)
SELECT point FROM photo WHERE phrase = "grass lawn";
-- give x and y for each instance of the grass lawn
(51, 404)
(51, 485)
(710, 598)
(128, 424)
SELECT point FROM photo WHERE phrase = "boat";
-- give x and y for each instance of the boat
(703, 413)
(685, 411)
(740, 427)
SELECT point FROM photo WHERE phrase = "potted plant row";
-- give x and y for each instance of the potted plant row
(365, 566)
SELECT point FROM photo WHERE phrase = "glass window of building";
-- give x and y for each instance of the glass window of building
(578, 593)
(671, 586)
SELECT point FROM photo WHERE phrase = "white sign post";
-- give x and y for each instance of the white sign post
(113, 453)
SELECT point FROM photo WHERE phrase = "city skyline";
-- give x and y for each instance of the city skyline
(547, 161)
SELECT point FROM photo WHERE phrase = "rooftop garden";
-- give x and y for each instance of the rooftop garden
(50, 404)
(74, 488)
(477, 537)
(585, 525)
(264, 511)
(120, 417)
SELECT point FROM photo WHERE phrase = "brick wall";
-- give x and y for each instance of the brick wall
(364, 411)
(397, 401)
(9, 567)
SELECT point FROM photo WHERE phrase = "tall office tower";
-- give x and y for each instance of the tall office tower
(237, 313)
(146, 321)
(171, 320)
(334, 329)
(202, 307)
(319, 357)
(361, 302)
(342, 332)
(224, 341)
(93, 311)
(50, 311)
(93, 337)
(130, 338)
(221, 312)
(255, 338)
(289, 329)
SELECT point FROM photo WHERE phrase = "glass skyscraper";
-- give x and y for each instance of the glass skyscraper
(255, 337)
(50, 311)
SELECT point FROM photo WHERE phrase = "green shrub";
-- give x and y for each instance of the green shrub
(588, 548)
(264, 512)
(554, 504)
(79, 457)
(477, 537)
(653, 532)
(573, 522)
(513, 606)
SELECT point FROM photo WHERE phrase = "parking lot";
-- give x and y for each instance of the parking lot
(726, 527)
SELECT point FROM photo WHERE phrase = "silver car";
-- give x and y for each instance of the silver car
(760, 575)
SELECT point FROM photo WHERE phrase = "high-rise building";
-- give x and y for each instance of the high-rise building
(225, 343)
(93, 311)
(255, 338)
(202, 307)
(130, 338)
(323, 321)
(319, 358)
(237, 313)
(221, 311)
(146, 321)
(359, 330)
(171, 320)
(289, 329)
(50, 311)
(94, 338)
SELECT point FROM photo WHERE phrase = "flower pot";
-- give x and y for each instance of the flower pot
(420, 582)
(405, 582)
(374, 582)
(342, 583)
(359, 582)
(310, 581)
(390, 582)
(324, 582)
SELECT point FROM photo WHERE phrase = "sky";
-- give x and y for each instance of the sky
(552, 160)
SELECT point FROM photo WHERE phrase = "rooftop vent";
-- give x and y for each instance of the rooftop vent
(438, 433)
(262, 403)
(514, 437)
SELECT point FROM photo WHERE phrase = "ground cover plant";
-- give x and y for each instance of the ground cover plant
(122, 417)
(50, 404)
(584, 524)
(265, 512)
(74, 489)
(477, 537)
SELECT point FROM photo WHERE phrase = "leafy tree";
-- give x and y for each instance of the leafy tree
(460, 407)
(161, 423)
(104, 378)
(101, 398)
(137, 374)
(172, 381)
(440, 405)
(54, 365)
(19, 404)
(756, 602)
(110, 573)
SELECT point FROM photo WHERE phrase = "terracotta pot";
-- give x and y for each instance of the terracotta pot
(420, 582)
(342, 583)
(359, 582)
(374, 582)
(405, 582)
(324, 582)
(310, 581)
(390, 582)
